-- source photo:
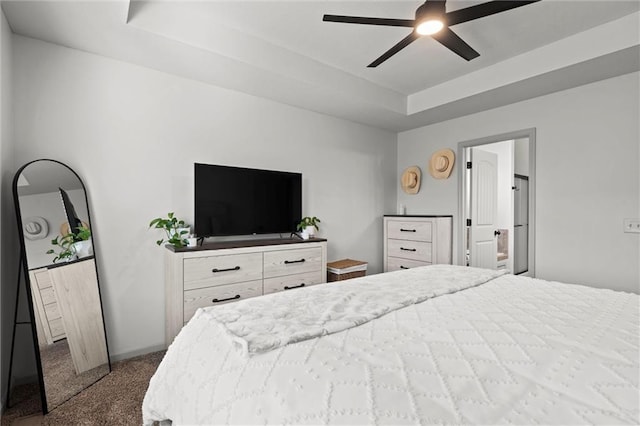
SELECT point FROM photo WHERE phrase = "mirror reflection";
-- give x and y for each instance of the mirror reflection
(62, 279)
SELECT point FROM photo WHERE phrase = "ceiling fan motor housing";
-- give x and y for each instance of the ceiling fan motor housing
(431, 9)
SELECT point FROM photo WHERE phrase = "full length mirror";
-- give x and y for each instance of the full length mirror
(62, 280)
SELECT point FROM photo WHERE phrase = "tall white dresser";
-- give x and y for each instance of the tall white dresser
(411, 241)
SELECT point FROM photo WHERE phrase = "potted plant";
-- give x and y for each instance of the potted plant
(176, 230)
(307, 226)
(82, 242)
(72, 245)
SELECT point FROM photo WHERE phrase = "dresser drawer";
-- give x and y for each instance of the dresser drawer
(57, 328)
(48, 296)
(218, 295)
(287, 262)
(416, 250)
(52, 311)
(43, 279)
(221, 270)
(407, 230)
(396, 263)
(290, 282)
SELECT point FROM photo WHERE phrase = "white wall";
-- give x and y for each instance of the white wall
(587, 151)
(133, 134)
(8, 258)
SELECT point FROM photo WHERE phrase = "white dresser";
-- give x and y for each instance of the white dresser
(411, 241)
(226, 272)
(66, 303)
(47, 312)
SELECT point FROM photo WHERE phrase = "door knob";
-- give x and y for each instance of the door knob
(496, 232)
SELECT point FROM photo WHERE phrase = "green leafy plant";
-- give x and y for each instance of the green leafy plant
(65, 243)
(83, 234)
(171, 226)
(308, 221)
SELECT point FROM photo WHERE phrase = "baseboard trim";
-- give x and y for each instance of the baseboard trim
(138, 352)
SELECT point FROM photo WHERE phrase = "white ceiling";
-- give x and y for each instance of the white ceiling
(283, 51)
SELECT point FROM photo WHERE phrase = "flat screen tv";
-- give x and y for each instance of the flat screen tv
(239, 201)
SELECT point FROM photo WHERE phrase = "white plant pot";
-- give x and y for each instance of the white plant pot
(310, 231)
(83, 248)
(71, 258)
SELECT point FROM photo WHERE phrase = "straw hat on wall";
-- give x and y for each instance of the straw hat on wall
(441, 163)
(410, 180)
(64, 227)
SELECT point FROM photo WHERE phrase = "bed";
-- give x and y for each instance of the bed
(438, 344)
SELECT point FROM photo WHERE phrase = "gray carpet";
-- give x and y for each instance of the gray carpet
(60, 378)
(114, 400)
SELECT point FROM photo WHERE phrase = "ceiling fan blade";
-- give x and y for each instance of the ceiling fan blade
(450, 40)
(484, 9)
(369, 21)
(395, 49)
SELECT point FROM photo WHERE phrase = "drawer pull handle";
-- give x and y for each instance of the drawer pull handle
(407, 230)
(294, 286)
(288, 262)
(237, 268)
(403, 267)
(406, 249)
(237, 296)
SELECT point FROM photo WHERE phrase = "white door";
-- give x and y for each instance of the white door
(483, 243)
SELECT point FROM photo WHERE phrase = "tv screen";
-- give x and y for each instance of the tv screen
(241, 201)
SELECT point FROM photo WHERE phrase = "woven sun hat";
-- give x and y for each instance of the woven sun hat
(64, 227)
(441, 163)
(410, 180)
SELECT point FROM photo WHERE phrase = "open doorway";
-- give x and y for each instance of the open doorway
(497, 202)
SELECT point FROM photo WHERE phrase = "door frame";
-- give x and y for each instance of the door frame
(462, 188)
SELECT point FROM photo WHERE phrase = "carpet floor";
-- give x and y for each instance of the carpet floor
(114, 400)
(60, 378)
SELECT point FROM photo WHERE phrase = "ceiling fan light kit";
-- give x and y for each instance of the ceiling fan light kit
(429, 27)
(432, 19)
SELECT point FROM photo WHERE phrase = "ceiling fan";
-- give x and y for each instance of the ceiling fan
(433, 20)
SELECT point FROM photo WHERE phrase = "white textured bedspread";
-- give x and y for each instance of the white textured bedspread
(512, 350)
(262, 324)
